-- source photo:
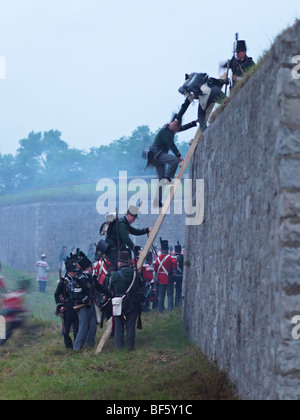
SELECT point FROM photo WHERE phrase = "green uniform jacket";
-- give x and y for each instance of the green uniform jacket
(125, 229)
(119, 286)
(164, 141)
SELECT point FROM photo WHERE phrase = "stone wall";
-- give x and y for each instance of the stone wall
(28, 230)
(242, 280)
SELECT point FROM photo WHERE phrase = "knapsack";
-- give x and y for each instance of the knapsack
(106, 227)
(193, 84)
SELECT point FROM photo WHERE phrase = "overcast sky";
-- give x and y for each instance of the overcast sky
(97, 69)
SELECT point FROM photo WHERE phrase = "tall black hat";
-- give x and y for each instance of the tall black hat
(70, 265)
(83, 261)
(124, 256)
(241, 46)
(178, 248)
(164, 245)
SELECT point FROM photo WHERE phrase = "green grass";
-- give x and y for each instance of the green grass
(65, 193)
(34, 364)
(76, 192)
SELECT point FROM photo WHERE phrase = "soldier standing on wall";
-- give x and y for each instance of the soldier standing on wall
(207, 90)
(240, 63)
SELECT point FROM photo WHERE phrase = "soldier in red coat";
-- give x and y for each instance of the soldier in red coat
(148, 276)
(165, 267)
(101, 269)
(3, 289)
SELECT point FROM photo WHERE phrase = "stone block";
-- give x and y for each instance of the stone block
(289, 173)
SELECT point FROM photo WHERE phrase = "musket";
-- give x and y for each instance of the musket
(153, 248)
(118, 233)
(233, 57)
(139, 320)
(61, 314)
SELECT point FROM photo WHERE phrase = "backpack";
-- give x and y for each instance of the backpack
(106, 227)
(193, 84)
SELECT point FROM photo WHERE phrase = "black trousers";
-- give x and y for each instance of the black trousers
(70, 319)
(216, 96)
(165, 160)
(125, 321)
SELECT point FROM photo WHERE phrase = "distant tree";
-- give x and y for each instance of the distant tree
(44, 159)
(28, 161)
(124, 154)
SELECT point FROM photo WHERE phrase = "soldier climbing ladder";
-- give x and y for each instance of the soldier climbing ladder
(173, 189)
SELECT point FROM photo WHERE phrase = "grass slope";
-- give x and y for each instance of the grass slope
(34, 364)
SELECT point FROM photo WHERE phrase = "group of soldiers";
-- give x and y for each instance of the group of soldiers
(113, 286)
(91, 290)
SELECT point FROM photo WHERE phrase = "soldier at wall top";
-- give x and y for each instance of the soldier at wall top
(240, 63)
(207, 90)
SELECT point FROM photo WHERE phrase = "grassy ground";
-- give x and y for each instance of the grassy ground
(165, 365)
(58, 194)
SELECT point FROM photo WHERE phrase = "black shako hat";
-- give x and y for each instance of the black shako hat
(70, 265)
(84, 263)
(164, 245)
(83, 260)
(124, 256)
(178, 248)
(241, 46)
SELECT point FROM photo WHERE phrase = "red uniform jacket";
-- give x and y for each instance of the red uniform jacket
(165, 264)
(101, 269)
(147, 271)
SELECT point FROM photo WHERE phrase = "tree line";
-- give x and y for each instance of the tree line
(44, 159)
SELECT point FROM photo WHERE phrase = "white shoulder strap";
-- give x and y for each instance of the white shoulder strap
(102, 268)
(161, 265)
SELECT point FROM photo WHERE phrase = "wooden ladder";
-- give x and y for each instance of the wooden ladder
(161, 217)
